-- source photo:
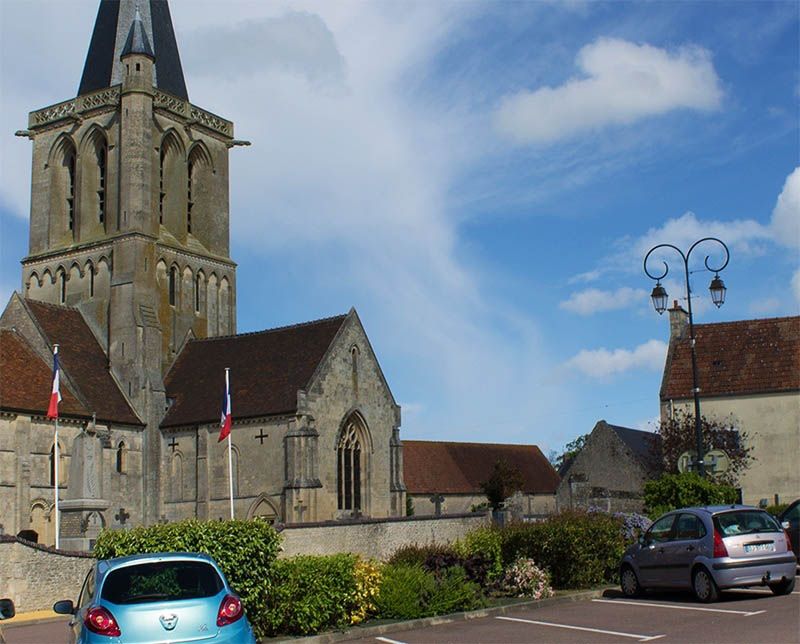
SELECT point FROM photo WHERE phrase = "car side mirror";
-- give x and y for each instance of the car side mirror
(785, 525)
(7, 610)
(641, 540)
(64, 607)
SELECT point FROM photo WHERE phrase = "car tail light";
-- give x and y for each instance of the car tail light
(101, 621)
(788, 541)
(229, 610)
(719, 546)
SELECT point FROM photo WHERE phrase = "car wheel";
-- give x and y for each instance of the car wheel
(629, 582)
(705, 589)
(782, 587)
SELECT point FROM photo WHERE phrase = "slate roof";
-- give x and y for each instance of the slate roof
(460, 468)
(638, 441)
(137, 42)
(26, 381)
(735, 358)
(112, 26)
(267, 370)
(84, 361)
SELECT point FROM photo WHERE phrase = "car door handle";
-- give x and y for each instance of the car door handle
(661, 550)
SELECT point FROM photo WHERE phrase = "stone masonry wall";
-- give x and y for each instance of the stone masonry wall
(36, 577)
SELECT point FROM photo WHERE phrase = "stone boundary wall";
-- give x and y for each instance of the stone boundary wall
(36, 576)
(376, 538)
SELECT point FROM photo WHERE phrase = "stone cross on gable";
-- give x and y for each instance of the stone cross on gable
(300, 509)
(122, 516)
(437, 500)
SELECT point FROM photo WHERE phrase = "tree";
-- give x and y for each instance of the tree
(502, 483)
(679, 435)
(673, 491)
(571, 449)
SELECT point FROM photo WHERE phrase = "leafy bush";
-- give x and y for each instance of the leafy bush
(775, 510)
(578, 549)
(673, 491)
(314, 594)
(368, 584)
(416, 554)
(408, 591)
(487, 543)
(246, 551)
(476, 566)
(525, 579)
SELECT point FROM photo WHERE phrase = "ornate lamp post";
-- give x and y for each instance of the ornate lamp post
(659, 297)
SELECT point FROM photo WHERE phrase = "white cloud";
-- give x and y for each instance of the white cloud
(622, 83)
(786, 214)
(765, 306)
(600, 363)
(594, 300)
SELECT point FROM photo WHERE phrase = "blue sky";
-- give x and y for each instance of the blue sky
(480, 180)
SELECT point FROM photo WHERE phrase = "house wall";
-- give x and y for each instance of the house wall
(604, 474)
(772, 422)
(529, 504)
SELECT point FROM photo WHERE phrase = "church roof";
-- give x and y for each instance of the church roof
(460, 468)
(137, 42)
(26, 381)
(83, 361)
(267, 370)
(736, 358)
(111, 29)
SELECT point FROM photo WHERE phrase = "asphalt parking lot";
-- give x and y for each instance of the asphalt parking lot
(752, 615)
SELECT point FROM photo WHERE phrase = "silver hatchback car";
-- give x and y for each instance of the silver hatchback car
(710, 549)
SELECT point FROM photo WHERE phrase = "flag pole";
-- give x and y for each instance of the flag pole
(230, 449)
(55, 457)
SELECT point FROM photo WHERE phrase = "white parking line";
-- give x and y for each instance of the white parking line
(745, 613)
(388, 641)
(641, 638)
(757, 591)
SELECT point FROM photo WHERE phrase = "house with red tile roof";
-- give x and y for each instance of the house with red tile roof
(747, 370)
(129, 272)
(445, 478)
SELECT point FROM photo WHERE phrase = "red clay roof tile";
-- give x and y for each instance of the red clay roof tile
(267, 370)
(460, 468)
(26, 381)
(733, 358)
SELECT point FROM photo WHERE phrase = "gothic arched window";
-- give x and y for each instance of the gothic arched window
(122, 457)
(71, 191)
(348, 469)
(173, 280)
(101, 184)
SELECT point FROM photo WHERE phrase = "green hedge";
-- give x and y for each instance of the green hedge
(312, 594)
(578, 549)
(245, 550)
(674, 491)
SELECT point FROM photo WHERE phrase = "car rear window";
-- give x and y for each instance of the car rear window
(161, 581)
(729, 524)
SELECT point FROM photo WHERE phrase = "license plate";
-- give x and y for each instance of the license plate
(760, 547)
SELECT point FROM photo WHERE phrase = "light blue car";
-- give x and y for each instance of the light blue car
(164, 597)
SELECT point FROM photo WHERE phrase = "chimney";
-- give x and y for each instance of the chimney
(678, 322)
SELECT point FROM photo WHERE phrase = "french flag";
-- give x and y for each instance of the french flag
(55, 395)
(225, 418)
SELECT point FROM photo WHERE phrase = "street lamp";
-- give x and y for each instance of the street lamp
(660, 298)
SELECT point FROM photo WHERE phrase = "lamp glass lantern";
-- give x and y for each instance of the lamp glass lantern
(659, 297)
(718, 290)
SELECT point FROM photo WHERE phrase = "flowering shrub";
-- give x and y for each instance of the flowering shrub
(634, 524)
(368, 584)
(524, 579)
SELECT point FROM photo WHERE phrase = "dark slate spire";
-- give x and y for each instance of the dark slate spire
(137, 42)
(116, 22)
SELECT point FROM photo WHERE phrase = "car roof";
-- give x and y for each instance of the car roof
(716, 509)
(108, 565)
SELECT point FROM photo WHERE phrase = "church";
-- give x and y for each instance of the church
(129, 272)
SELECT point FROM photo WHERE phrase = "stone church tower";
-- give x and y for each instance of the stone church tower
(129, 209)
(129, 271)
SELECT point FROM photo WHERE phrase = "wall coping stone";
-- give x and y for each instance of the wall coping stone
(10, 538)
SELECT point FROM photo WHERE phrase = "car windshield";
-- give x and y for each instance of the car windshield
(161, 581)
(736, 522)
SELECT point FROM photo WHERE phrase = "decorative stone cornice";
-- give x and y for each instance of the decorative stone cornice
(73, 108)
(194, 114)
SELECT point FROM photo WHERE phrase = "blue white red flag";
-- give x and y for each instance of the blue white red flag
(225, 419)
(55, 393)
